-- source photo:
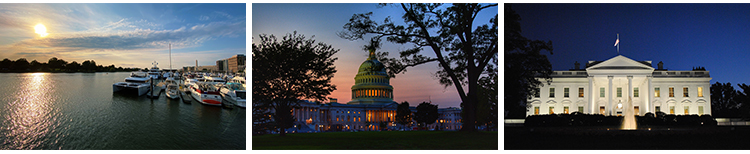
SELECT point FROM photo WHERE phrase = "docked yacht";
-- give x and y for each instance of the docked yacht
(172, 91)
(154, 72)
(206, 93)
(234, 93)
(137, 82)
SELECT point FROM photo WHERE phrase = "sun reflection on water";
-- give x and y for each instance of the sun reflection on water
(31, 118)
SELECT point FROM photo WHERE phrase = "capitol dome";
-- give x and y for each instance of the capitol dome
(372, 84)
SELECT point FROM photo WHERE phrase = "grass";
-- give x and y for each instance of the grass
(680, 138)
(394, 140)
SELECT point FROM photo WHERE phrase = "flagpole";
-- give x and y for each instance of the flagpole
(618, 44)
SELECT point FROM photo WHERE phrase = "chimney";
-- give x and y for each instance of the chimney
(578, 65)
(661, 65)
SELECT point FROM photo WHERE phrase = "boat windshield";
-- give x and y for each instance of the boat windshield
(236, 86)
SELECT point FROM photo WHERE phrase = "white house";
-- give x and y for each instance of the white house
(605, 87)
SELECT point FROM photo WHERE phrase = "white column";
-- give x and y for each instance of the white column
(609, 103)
(592, 107)
(630, 95)
(649, 105)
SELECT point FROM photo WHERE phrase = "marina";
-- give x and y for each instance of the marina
(83, 111)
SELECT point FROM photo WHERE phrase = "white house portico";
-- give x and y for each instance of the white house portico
(606, 87)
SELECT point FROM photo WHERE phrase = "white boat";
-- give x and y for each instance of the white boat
(234, 93)
(154, 72)
(172, 90)
(205, 93)
(137, 82)
(213, 79)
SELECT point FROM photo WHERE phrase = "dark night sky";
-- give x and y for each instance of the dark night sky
(683, 36)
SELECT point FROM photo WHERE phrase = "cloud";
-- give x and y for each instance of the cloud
(135, 39)
(203, 18)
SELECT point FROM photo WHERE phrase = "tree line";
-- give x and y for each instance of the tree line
(728, 102)
(56, 65)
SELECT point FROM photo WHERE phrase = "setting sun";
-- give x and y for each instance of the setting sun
(41, 30)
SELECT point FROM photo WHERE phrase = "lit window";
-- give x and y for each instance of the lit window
(551, 92)
(580, 109)
(601, 92)
(685, 92)
(566, 93)
(601, 110)
(619, 91)
(551, 110)
(656, 92)
(637, 110)
(580, 92)
(536, 110)
(700, 91)
(671, 91)
(700, 110)
(635, 92)
(686, 109)
(565, 110)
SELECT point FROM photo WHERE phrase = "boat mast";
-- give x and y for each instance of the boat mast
(170, 56)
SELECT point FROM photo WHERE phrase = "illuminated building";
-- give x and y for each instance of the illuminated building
(372, 104)
(604, 86)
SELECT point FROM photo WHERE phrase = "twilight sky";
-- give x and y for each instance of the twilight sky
(323, 21)
(682, 36)
(127, 35)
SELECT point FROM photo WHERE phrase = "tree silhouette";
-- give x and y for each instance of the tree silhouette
(426, 114)
(524, 64)
(403, 113)
(21, 64)
(462, 51)
(287, 70)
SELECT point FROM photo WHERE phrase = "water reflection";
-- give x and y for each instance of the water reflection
(31, 117)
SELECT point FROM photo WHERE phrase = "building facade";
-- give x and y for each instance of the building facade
(372, 104)
(233, 64)
(609, 87)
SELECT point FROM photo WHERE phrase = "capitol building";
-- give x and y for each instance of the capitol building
(372, 104)
(605, 87)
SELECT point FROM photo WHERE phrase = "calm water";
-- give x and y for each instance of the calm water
(80, 111)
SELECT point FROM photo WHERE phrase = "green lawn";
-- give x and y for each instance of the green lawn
(395, 140)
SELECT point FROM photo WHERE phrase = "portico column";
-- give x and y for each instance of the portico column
(630, 94)
(591, 106)
(650, 95)
(609, 103)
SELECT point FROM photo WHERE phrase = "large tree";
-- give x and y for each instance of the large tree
(524, 64)
(426, 114)
(463, 52)
(403, 113)
(723, 100)
(288, 70)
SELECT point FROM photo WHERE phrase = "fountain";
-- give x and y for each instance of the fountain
(628, 123)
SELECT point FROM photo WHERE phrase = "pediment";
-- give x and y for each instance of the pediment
(619, 63)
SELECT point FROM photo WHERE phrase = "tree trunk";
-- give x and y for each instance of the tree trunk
(282, 132)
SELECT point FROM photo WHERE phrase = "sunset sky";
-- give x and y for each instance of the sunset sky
(323, 21)
(127, 35)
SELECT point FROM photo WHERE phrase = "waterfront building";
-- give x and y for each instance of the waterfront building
(233, 64)
(604, 87)
(372, 104)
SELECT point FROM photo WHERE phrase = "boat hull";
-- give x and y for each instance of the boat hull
(207, 99)
(130, 88)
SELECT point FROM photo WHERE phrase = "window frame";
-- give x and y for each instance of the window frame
(566, 92)
(580, 92)
(551, 92)
(601, 91)
(700, 91)
(685, 92)
(657, 92)
(619, 91)
(636, 92)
